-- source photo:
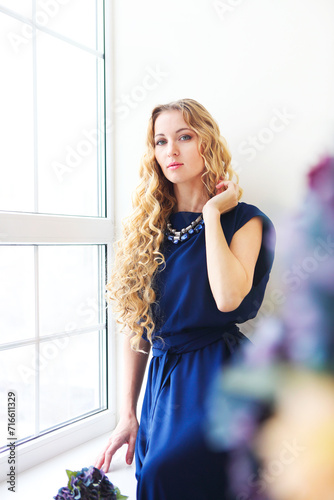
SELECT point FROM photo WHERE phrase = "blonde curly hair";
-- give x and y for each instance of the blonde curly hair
(137, 254)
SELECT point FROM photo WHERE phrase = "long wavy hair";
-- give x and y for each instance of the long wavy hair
(138, 254)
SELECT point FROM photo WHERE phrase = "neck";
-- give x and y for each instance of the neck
(190, 199)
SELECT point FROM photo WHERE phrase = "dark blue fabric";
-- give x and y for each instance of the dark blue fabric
(193, 341)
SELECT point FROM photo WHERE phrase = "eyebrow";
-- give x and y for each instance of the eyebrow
(180, 129)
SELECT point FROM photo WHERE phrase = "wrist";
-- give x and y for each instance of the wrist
(210, 211)
(128, 412)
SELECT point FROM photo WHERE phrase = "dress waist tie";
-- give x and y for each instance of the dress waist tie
(170, 349)
(181, 343)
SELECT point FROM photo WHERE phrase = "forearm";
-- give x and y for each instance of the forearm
(227, 277)
(135, 365)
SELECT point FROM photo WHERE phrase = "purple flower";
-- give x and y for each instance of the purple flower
(88, 484)
(84, 476)
(321, 180)
(107, 489)
(64, 494)
(96, 474)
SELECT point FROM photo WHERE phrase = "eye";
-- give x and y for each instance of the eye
(185, 137)
(158, 142)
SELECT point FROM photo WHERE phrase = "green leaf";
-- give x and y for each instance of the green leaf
(70, 474)
(119, 496)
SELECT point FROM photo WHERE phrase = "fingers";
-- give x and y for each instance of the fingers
(221, 184)
(108, 457)
(99, 461)
(125, 433)
(225, 185)
(221, 187)
(104, 459)
(131, 451)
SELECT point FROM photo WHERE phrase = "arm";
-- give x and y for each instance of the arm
(230, 269)
(127, 427)
(135, 363)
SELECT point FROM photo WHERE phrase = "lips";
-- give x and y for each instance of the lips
(174, 165)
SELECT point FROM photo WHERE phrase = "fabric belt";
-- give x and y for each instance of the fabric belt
(181, 343)
(170, 349)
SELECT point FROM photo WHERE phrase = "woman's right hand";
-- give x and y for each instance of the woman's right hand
(124, 433)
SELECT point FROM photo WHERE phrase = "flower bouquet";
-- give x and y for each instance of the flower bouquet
(88, 484)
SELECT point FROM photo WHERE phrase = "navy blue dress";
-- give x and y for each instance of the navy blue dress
(192, 342)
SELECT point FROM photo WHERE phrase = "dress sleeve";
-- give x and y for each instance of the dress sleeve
(265, 259)
(252, 302)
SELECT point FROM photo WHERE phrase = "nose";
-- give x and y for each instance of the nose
(172, 149)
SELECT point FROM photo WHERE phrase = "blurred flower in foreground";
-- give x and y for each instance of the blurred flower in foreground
(273, 409)
(303, 469)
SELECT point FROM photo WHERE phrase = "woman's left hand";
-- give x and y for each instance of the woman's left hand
(226, 197)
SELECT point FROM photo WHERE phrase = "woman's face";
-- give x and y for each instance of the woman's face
(176, 149)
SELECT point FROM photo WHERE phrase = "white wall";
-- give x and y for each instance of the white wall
(247, 61)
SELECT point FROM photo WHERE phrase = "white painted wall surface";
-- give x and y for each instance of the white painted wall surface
(247, 61)
(264, 69)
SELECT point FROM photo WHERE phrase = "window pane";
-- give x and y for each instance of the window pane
(64, 19)
(68, 132)
(69, 378)
(17, 293)
(17, 373)
(23, 7)
(16, 122)
(70, 294)
(52, 160)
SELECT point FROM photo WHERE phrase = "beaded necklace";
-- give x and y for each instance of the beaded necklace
(183, 234)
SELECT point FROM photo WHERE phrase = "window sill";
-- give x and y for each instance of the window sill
(44, 480)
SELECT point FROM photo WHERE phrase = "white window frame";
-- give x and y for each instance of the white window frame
(28, 228)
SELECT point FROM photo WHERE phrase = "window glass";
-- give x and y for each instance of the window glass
(69, 288)
(52, 161)
(68, 133)
(17, 121)
(63, 17)
(17, 293)
(69, 378)
(17, 374)
(22, 7)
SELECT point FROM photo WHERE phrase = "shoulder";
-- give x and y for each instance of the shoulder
(235, 219)
(246, 211)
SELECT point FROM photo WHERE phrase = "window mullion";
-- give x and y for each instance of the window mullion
(35, 118)
(37, 344)
(103, 334)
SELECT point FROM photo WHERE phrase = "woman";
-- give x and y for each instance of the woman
(193, 262)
